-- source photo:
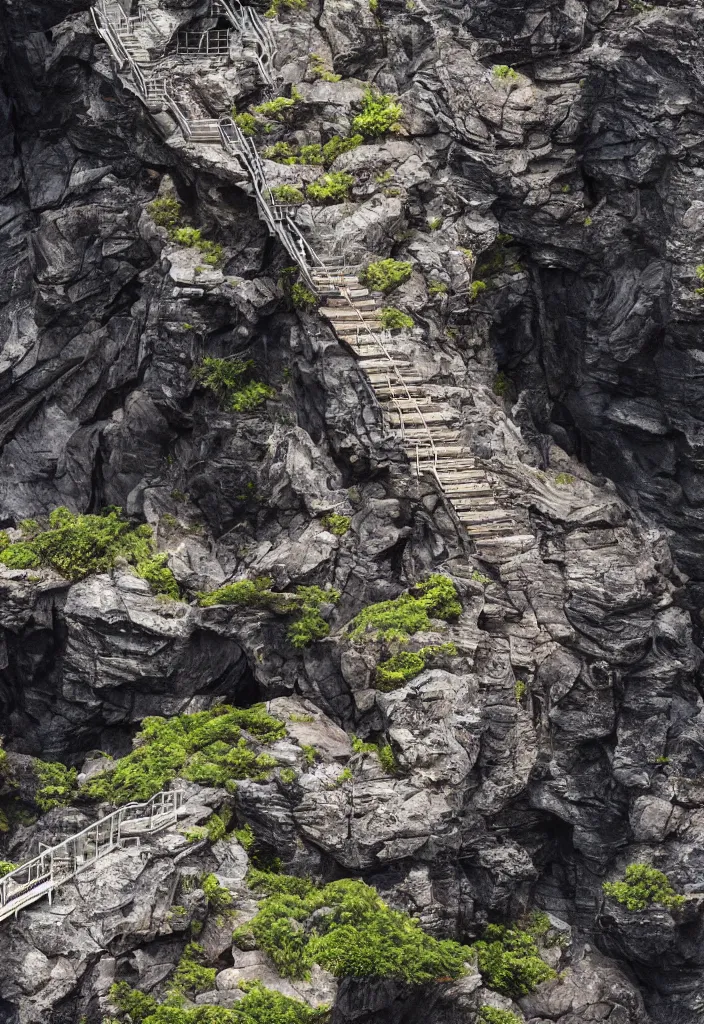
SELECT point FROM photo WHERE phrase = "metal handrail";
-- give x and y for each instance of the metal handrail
(240, 17)
(57, 864)
(175, 109)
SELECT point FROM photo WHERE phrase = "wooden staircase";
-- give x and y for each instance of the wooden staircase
(426, 426)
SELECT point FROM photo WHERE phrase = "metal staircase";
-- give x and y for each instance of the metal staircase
(428, 428)
(58, 864)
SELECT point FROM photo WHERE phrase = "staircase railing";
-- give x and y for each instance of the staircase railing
(249, 22)
(56, 865)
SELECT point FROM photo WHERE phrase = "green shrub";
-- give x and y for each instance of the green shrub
(57, 784)
(227, 379)
(357, 935)
(310, 625)
(641, 887)
(276, 6)
(475, 289)
(336, 524)
(287, 194)
(302, 297)
(319, 69)
(381, 113)
(288, 776)
(6, 866)
(437, 288)
(382, 751)
(245, 837)
(519, 690)
(503, 71)
(406, 665)
(385, 275)
(435, 223)
(78, 545)
(338, 145)
(191, 976)
(247, 593)
(393, 319)
(196, 833)
(217, 896)
(247, 123)
(564, 479)
(137, 1005)
(332, 187)
(159, 577)
(344, 776)
(192, 238)
(510, 962)
(206, 747)
(409, 613)
(501, 385)
(166, 212)
(282, 153)
(279, 108)
(492, 1015)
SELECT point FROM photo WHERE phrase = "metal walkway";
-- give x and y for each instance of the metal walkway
(58, 864)
(428, 429)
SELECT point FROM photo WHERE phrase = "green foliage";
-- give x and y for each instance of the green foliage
(287, 776)
(519, 690)
(381, 113)
(192, 238)
(217, 896)
(382, 751)
(57, 784)
(159, 577)
(302, 297)
(247, 593)
(344, 776)
(310, 753)
(247, 123)
(699, 271)
(475, 289)
(206, 747)
(165, 212)
(492, 1015)
(287, 194)
(332, 187)
(78, 545)
(319, 69)
(663, 759)
(509, 961)
(310, 625)
(279, 108)
(393, 319)
(435, 223)
(501, 384)
(245, 837)
(564, 479)
(196, 833)
(588, 222)
(409, 613)
(282, 153)
(504, 72)
(137, 1005)
(641, 887)
(479, 577)
(338, 145)
(406, 665)
(385, 275)
(357, 935)
(227, 379)
(6, 866)
(313, 154)
(336, 524)
(437, 288)
(276, 6)
(4, 540)
(191, 975)
(216, 828)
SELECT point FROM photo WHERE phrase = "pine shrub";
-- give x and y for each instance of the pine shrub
(509, 961)
(385, 275)
(333, 187)
(393, 319)
(643, 886)
(400, 617)
(380, 114)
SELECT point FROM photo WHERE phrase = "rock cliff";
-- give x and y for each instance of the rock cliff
(547, 151)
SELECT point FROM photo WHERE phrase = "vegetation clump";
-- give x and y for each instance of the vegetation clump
(333, 187)
(475, 289)
(355, 933)
(80, 545)
(6, 866)
(315, 154)
(406, 665)
(217, 896)
(336, 524)
(279, 108)
(57, 784)
(232, 382)
(393, 319)
(320, 69)
(167, 213)
(302, 297)
(493, 1015)
(381, 113)
(276, 6)
(215, 748)
(504, 72)
(509, 961)
(382, 750)
(437, 288)
(385, 275)
(400, 617)
(309, 624)
(641, 887)
(288, 194)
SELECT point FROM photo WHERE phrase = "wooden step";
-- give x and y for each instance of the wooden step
(522, 540)
(349, 317)
(409, 403)
(414, 419)
(473, 504)
(499, 515)
(421, 436)
(447, 464)
(371, 362)
(470, 476)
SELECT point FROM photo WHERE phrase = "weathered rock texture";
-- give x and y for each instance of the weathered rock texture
(590, 161)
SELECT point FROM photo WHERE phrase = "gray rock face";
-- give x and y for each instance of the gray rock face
(563, 741)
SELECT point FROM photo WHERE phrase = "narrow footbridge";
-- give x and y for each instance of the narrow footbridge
(58, 864)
